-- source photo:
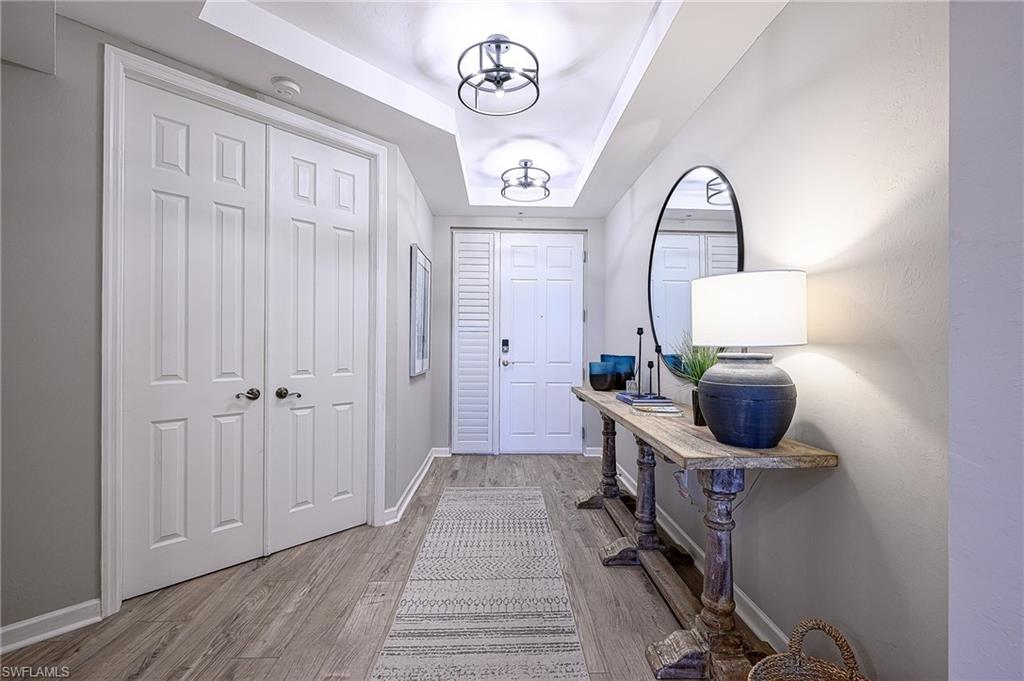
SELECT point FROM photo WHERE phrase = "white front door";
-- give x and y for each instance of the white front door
(675, 264)
(193, 301)
(317, 322)
(541, 317)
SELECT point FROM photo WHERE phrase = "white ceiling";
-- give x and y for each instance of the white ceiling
(584, 50)
(618, 80)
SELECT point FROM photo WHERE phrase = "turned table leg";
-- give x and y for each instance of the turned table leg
(609, 485)
(711, 647)
(623, 551)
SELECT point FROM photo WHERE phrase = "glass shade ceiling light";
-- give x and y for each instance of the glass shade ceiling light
(525, 183)
(498, 77)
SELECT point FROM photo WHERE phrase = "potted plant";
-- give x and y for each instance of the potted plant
(689, 362)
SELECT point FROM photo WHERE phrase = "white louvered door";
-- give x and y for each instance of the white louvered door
(474, 345)
(722, 254)
(194, 182)
(317, 352)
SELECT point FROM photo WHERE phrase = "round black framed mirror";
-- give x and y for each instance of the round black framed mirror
(699, 233)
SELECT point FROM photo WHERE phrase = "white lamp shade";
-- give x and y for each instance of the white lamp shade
(750, 309)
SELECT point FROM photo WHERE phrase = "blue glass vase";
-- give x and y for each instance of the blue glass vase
(625, 367)
(603, 375)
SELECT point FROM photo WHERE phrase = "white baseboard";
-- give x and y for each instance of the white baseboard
(592, 451)
(749, 612)
(48, 625)
(394, 514)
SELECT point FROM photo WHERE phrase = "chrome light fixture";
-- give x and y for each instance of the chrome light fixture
(498, 77)
(525, 183)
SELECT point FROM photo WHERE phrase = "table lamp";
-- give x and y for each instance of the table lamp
(746, 400)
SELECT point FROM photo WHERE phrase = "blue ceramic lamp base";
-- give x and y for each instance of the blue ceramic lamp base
(747, 401)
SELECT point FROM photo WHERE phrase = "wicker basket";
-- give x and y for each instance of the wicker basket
(793, 665)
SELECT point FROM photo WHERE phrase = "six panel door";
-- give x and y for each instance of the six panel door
(675, 265)
(541, 316)
(317, 352)
(193, 302)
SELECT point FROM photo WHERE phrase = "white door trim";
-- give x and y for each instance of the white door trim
(496, 262)
(121, 66)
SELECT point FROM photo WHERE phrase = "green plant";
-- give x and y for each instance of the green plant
(689, 361)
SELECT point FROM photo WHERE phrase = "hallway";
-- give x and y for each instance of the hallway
(322, 610)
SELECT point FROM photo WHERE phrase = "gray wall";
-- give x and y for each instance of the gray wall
(833, 129)
(410, 428)
(52, 192)
(986, 341)
(593, 298)
(52, 156)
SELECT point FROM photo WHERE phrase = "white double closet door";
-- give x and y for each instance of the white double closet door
(245, 273)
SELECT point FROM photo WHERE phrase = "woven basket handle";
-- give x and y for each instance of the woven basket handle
(796, 641)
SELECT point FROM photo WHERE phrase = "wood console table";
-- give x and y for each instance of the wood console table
(709, 646)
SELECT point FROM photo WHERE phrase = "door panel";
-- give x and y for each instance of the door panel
(317, 317)
(474, 326)
(676, 263)
(541, 314)
(193, 318)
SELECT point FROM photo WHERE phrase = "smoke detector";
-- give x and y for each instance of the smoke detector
(285, 87)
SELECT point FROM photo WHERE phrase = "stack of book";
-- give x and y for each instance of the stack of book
(649, 399)
(650, 404)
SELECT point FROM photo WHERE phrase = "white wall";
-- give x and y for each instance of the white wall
(833, 130)
(593, 298)
(986, 342)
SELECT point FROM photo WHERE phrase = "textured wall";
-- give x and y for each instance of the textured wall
(833, 129)
(986, 342)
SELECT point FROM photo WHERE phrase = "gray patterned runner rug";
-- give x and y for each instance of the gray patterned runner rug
(486, 598)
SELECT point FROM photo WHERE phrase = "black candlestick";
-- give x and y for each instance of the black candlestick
(639, 358)
(657, 351)
(650, 377)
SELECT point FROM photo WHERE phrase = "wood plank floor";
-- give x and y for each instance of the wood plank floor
(321, 610)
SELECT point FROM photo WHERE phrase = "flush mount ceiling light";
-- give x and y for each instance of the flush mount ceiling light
(499, 77)
(525, 183)
(718, 192)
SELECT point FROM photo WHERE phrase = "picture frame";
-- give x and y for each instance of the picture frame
(419, 311)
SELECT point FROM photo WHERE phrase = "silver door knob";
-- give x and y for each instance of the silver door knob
(250, 394)
(282, 393)
(505, 362)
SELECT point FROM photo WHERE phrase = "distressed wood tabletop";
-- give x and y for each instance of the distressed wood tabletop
(676, 439)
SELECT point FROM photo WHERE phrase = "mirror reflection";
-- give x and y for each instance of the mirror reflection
(699, 233)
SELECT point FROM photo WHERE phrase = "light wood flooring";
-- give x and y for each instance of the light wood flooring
(321, 610)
